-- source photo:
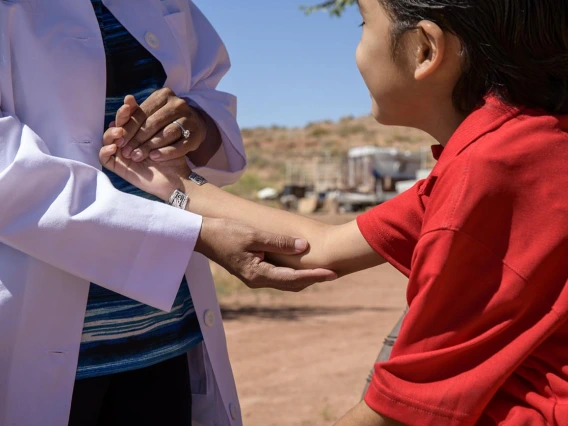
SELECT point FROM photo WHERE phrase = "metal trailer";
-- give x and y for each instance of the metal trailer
(364, 177)
(373, 173)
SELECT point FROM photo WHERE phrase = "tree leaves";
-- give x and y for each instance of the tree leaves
(334, 7)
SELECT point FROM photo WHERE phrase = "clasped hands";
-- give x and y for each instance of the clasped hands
(145, 147)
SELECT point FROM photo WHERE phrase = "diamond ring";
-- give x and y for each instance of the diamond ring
(185, 133)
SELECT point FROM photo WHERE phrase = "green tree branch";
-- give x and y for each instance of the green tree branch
(334, 7)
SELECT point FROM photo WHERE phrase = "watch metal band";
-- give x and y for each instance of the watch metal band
(200, 180)
(178, 199)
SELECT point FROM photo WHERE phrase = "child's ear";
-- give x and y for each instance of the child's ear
(429, 49)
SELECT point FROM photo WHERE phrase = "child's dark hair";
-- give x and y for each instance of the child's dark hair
(516, 49)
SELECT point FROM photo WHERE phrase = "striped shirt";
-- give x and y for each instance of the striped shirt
(121, 334)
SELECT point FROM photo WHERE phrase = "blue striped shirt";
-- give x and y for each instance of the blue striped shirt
(119, 333)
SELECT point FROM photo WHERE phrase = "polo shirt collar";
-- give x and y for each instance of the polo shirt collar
(489, 116)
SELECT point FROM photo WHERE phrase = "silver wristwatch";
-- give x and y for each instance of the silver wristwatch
(200, 180)
(179, 199)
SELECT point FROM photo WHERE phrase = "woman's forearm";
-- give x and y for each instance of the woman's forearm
(340, 248)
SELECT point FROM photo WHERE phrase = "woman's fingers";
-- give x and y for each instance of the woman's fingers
(168, 143)
(177, 150)
(288, 279)
(149, 128)
(166, 136)
(171, 144)
(138, 118)
(152, 127)
(143, 124)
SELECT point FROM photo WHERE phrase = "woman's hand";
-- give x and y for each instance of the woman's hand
(150, 131)
(242, 250)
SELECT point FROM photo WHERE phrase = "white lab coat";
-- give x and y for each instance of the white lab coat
(63, 225)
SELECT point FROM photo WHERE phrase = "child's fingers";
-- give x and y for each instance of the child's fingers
(126, 111)
(106, 156)
(131, 102)
(113, 136)
(123, 115)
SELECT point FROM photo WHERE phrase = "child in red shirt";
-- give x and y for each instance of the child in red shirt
(483, 240)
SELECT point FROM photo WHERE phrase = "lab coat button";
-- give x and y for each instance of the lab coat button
(152, 40)
(234, 409)
(209, 318)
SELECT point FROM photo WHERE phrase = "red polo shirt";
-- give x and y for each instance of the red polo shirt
(484, 242)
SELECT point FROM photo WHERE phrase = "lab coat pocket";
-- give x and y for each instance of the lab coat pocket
(206, 400)
(198, 373)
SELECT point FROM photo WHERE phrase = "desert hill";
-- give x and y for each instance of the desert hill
(270, 148)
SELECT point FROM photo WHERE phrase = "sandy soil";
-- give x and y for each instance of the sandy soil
(302, 359)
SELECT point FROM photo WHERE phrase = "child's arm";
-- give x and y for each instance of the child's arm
(340, 248)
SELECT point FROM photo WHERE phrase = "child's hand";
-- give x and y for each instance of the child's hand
(157, 178)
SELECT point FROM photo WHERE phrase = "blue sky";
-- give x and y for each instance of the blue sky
(289, 68)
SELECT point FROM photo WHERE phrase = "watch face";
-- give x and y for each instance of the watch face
(178, 199)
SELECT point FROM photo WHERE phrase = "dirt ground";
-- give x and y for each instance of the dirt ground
(302, 359)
